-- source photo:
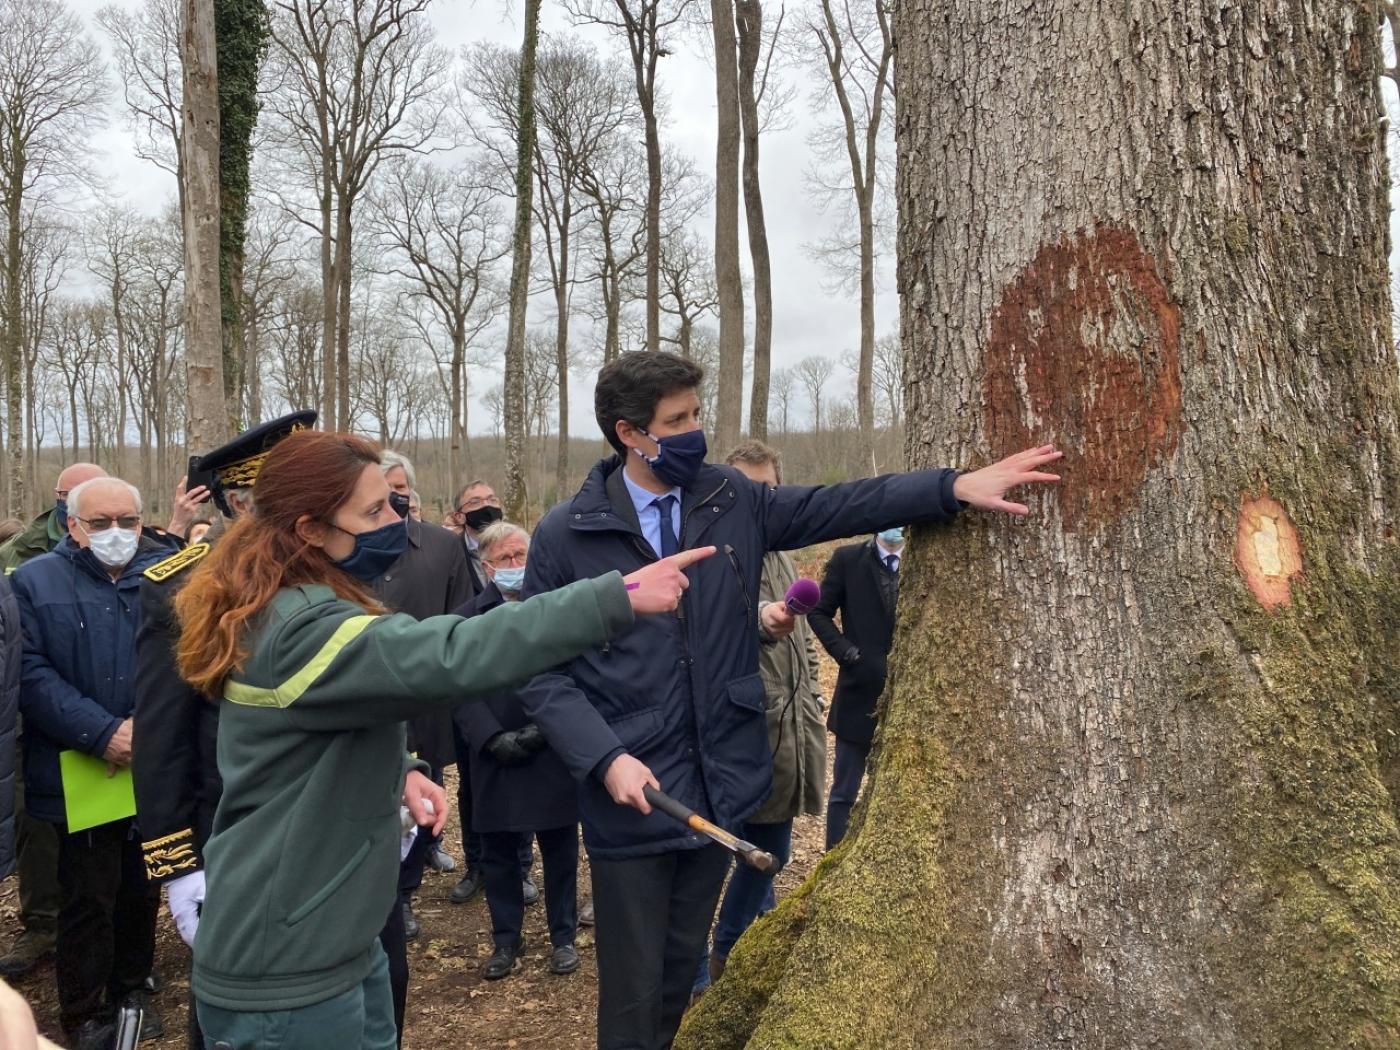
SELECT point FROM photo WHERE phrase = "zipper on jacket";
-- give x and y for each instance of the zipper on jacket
(739, 575)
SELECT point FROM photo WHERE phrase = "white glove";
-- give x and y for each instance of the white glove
(410, 828)
(183, 896)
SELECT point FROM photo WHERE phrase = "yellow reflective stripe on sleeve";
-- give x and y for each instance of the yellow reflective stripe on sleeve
(291, 690)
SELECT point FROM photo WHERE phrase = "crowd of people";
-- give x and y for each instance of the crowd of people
(302, 667)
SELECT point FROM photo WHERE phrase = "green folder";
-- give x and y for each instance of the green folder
(90, 796)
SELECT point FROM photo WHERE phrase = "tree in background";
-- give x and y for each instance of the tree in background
(206, 410)
(514, 401)
(241, 29)
(1138, 787)
(644, 25)
(352, 83)
(444, 236)
(854, 42)
(51, 90)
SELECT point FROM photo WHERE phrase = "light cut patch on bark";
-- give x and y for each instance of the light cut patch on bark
(1267, 551)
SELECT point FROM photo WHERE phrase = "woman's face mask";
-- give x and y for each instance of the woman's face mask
(375, 550)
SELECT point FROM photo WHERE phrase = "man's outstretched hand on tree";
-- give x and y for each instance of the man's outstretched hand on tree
(986, 489)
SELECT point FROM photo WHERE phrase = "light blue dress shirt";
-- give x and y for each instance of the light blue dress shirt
(648, 516)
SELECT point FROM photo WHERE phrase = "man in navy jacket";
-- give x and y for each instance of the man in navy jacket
(80, 610)
(677, 702)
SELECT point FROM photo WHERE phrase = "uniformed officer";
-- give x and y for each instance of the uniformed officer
(174, 764)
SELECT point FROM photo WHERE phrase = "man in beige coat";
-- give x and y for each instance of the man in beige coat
(796, 736)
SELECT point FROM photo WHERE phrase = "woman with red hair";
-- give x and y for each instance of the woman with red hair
(317, 681)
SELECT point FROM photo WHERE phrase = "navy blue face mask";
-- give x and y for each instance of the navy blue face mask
(375, 550)
(60, 507)
(679, 457)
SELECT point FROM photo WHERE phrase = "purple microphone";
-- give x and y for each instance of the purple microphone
(802, 596)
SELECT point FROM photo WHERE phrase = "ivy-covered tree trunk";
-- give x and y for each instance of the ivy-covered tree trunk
(1135, 772)
(241, 32)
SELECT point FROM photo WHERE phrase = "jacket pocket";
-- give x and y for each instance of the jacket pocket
(748, 692)
(739, 759)
(336, 881)
(638, 729)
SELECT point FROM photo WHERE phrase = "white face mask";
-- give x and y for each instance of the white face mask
(114, 547)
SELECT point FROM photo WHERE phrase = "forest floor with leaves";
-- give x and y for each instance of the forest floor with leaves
(449, 1004)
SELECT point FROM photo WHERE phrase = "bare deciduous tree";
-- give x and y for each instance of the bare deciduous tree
(51, 88)
(813, 372)
(856, 47)
(353, 83)
(206, 410)
(445, 235)
(644, 25)
(688, 283)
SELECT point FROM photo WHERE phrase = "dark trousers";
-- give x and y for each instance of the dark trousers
(36, 842)
(471, 840)
(107, 923)
(500, 870)
(395, 946)
(411, 867)
(653, 915)
(846, 775)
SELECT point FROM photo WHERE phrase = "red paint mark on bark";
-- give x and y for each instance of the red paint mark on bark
(1085, 351)
(1268, 552)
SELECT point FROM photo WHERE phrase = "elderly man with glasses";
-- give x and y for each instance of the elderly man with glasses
(80, 609)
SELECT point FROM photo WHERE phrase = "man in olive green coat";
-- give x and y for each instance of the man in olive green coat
(796, 736)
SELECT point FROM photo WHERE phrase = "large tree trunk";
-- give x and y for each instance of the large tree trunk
(750, 26)
(729, 278)
(206, 417)
(1133, 779)
(513, 388)
(242, 32)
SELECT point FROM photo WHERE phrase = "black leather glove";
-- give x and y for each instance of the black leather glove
(530, 738)
(851, 657)
(505, 748)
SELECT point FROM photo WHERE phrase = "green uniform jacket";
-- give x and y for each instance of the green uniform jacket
(39, 537)
(796, 731)
(302, 866)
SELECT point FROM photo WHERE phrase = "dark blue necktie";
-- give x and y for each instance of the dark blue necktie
(669, 545)
(892, 561)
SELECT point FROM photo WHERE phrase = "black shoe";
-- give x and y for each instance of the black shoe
(28, 951)
(94, 1035)
(151, 1025)
(563, 959)
(503, 961)
(529, 891)
(467, 888)
(585, 915)
(411, 929)
(151, 983)
(439, 859)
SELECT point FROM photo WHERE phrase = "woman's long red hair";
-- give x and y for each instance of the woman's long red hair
(309, 473)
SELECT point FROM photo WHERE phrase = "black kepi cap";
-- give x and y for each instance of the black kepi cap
(235, 465)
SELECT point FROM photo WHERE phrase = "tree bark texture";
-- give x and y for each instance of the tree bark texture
(750, 29)
(513, 392)
(1134, 779)
(206, 414)
(729, 278)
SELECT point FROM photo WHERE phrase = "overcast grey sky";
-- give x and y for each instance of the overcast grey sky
(807, 319)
